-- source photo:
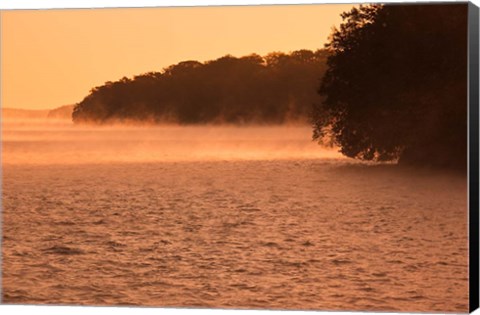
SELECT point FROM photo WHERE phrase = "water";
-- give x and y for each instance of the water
(224, 217)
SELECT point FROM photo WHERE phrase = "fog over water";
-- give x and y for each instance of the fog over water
(223, 216)
(61, 142)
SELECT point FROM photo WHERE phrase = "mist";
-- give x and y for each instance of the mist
(47, 141)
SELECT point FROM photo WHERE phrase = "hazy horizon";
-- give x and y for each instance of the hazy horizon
(71, 56)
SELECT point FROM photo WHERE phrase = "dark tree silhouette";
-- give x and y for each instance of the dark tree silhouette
(396, 85)
(251, 89)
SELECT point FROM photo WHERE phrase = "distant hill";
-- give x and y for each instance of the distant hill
(63, 112)
(9, 113)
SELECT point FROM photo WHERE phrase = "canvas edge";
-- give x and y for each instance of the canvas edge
(473, 146)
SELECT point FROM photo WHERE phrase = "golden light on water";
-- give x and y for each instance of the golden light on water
(61, 142)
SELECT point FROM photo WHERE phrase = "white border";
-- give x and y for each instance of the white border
(51, 4)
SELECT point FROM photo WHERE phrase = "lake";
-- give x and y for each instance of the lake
(224, 216)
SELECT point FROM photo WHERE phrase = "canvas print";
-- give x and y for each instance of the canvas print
(300, 157)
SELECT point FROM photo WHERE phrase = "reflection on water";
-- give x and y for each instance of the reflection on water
(224, 217)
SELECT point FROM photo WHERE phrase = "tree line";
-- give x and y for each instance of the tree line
(275, 88)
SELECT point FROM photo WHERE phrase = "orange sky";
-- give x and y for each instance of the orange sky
(51, 58)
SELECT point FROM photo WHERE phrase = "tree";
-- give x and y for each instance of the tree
(396, 85)
(246, 90)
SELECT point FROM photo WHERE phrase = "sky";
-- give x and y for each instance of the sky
(51, 58)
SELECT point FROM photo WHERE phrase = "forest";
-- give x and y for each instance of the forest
(273, 89)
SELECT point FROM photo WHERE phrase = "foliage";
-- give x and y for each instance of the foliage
(396, 85)
(252, 89)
